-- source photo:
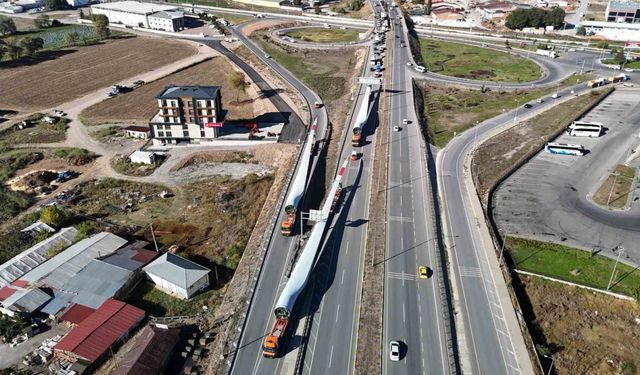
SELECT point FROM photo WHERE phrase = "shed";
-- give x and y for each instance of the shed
(141, 132)
(177, 276)
(143, 157)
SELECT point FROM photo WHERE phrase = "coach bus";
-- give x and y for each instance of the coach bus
(584, 131)
(564, 149)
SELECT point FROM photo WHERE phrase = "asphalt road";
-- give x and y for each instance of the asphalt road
(412, 306)
(487, 342)
(549, 197)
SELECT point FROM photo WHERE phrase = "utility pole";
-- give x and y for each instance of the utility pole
(615, 179)
(154, 237)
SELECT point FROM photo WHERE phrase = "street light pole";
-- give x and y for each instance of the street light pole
(613, 272)
(504, 240)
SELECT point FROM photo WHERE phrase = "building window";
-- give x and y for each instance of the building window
(168, 134)
(160, 134)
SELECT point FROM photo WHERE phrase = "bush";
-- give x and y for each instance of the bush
(12, 203)
(85, 229)
(55, 216)
(75, 156)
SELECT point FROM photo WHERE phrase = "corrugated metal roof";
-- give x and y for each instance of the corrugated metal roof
(131, 257)
(26, 300)
(77, 313)
(94, 335)
(31, 258)
(151, 352)
(176, 270)
(65, 265)
(94, 284)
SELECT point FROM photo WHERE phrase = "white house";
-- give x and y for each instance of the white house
(143, 157)
(613, 30)
(166, 21)
(177, 276)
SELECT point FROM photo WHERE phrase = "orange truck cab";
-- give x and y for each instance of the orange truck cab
(317, 104)
(287, 225)
(272, 342)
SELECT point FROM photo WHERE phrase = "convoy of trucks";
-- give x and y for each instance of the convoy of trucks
(613, 79)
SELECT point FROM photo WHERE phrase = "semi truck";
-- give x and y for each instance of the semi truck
(273, 341)
(546, 52)
(618, 78)
(597, 82)
(363, 113)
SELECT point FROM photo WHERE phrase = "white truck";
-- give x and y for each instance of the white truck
(546, 52)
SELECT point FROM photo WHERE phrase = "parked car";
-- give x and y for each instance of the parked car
(394, 351)
(58, 112)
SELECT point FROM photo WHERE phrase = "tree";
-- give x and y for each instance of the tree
(316, 8)
(619, 57)
(12, 49)
(71, 39)
(581, 31)
(54, 216)
(518, 19)
(237, 80)
(427, 9)
(31, 45)
(7, 26)
(55, 4)
(81, 14)
(555, 17)
(419, 2)
(42, 21)
(602, 44)
(101, 25)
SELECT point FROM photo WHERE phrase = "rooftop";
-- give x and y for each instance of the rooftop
(197, 92)
(31, 258)
(26, 300)
(152, 350)
(177, 270)
(76, 314)
(59, 269)
(95, 334)
(134, 7)
(168, 15)
(623, 5)
(144, 129)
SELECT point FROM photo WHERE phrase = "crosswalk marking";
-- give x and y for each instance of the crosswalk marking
(401, 219)
(470, 272)
(401, 276)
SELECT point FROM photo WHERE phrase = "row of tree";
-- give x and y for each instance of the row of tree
(535, 17)
(25, 47)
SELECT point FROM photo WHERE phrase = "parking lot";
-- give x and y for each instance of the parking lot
(549, 197)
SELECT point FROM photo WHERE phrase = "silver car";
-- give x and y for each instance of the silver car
(394, 351)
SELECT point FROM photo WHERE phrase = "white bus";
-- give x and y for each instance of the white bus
(586, 124)
(564, 149)
(584, 131)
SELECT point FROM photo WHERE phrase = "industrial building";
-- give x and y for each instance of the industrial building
(15, 300)
(31, 258)
(92, 339)
(151, 351)
(621, 31)
(136, 14)
(623, 11)
(177, 276)
(187, 114)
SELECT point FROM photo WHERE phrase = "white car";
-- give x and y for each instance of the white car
(409, 64)
(396, 128)
(555, 96)
(540, 100)
(267, 56)
(394, 351)
(405, 121)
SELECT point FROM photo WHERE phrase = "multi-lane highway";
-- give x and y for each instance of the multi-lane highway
(412, 306)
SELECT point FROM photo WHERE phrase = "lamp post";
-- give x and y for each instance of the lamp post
(613, 272)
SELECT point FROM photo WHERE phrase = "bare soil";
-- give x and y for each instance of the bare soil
(77, 71)
(139, 105)
(587, 333)
(614, 191)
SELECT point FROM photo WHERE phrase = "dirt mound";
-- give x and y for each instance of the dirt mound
(35, 181)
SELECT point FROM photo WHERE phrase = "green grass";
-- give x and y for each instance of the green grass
(158, 303)
(615, 189)
(75, 156)
(633, 64)
(574, 265)
(38, 132)
(322, 35)
(106, 133)
(464, 61)
(320, 75)
(453, 110)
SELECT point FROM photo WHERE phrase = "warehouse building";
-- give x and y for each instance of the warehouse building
(623, 11)
(187, 114)
(621, 31)
(177, 276)
(92, 339)
(136, 14)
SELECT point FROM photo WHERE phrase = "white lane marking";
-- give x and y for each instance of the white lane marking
(342, 278)
(331, 356)
(337, 313)
(403, 314)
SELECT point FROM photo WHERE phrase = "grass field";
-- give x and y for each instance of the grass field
(587, 333)
(464, 61)
(322, 35)
(139, 105)
(451, 110)
(578, 266)
(76, 72)
(235, 19)
(614, 191)
(497, 155)
(39, 132)
(157, 303)
(633, 64)
(53, 37)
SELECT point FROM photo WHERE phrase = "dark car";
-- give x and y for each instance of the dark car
(527, 106)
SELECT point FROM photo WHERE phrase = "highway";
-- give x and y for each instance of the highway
(412, 306)
(335, 281)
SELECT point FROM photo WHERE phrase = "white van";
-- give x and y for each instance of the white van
(420, 68)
